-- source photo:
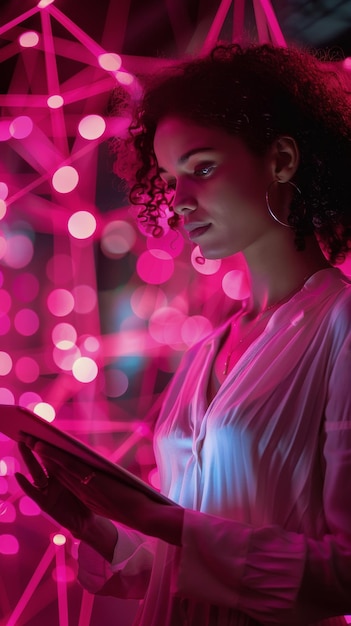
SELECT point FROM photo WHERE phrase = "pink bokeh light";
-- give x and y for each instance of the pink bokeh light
(8, 544)
(92, 127)
(26, 322)
(27, 369)
(18, 251)
(65, 179)
(5, 363)
(155, 267)
(60, 302)
(82, 225)
(21, 127)
(55, 101)
(110, 61)
(30, 39)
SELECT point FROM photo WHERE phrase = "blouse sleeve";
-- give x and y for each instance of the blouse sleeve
(273, 575)
(127, 576)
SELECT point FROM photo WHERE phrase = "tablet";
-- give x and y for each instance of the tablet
(15, 420)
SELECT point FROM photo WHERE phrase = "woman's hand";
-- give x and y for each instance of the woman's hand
(104, 495)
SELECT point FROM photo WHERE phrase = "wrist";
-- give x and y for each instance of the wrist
(101, 535)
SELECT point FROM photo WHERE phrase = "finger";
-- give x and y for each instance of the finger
(37, 472)
(30, 490)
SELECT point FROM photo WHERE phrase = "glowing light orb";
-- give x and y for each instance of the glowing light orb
(28, 507)
(5, 324)
(8, 544)
(30, 39)
(85, 299)
(64, 336)
(347, 63)
(5, 301)
(60, 302)
(29, 399)
(235, 285)
(44, 3)
(3, 209)
(202, 265)
(85, 369)
(27, 369)
(6, 396)
(165, 326)
(124, 78)
(9, 465)
(26, 322)
(55, 102)
(59, 539)
(19, 251)
(145, 300)
(65, 359)
(65, 179)
(155, 266)
(92, 127)
(116, 383)
(3, 467)
(4, 191)
(7, 513)
(5, 363)
(91, 344)
(195, 328)
(117, 239)
(110, 61)
(82, 225)
(21, 127)
(45, 410)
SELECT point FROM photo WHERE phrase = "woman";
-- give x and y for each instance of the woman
(244, 150)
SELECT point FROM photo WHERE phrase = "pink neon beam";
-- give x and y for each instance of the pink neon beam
(86, 608)
(61, 585)
(272, 22)
(238, 20)
(216, 26)
(18, 20)
(32, 585)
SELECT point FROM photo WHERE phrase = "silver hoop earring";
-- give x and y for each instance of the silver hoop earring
(268, 201)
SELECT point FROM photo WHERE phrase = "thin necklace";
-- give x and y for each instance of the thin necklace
(234, 344)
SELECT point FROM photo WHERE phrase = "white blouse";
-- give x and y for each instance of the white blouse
(264, 473)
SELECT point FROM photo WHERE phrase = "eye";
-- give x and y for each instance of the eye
(203, 171)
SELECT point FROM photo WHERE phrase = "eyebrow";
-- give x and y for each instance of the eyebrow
(187, 156)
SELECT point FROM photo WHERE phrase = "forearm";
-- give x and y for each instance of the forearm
(101, 535)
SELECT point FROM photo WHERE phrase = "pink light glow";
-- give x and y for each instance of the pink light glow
(55, 102)
(9, 466)
(60, 302)
(235, 285)
(19, 251)
(165, 326)
(65, 359)
(60, 269)
(85, 299)
(8, 544)
(6, 396)
(29, 39)
(29, 399)
(117, 239)
(172, 242)
(82, 224)
(26, 322)
(85, 369)
(64, 336)
(110, 61)
(21, 127)
(124, 78)
(194, 328)
(5, 324)
(45, 411)
(92, 127)
(91, 344)
(202, 265)
(65, 179)
(28, 507)
(7, 512)
(4, 191)
(155, 267)
(3, 209)
(145, 300)
(5, 301)
(5, 363)
(44, 3)
(27, 369)
(116, 383)
(59, 539)
(5, 134)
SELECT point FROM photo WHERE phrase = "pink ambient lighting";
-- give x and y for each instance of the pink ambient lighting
(5, 363)
(29, 399)
(9, 466)
(8, 544)
(29, 39)
(19, 251)
(82, 225)
(195, 328)
(235, 285)
(5, 324)
(117, 239)
(145, 300)
(65, 359)
(110, 61)
(60, 302)
(92, 127)
(65, 179)
(155, 267)
(4, 487)
(165, 326)
(26, 322)
(7, 513)
(116, 383)
(21, 127)
(64, 336)
(60, 268)
(27, 369)
(25, 287)
(4, 191)
(347, 63)
(91, 344)
(28, 507)
(55, 102)
(5, 134)
(3, 209)
(202, 265)
(6, 396)
(45, 411)
(5, 301)
(85, 370)
(85, 299)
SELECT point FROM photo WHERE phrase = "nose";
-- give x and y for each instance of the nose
(183, 201)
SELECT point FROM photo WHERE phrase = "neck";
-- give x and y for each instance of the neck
(277, 272)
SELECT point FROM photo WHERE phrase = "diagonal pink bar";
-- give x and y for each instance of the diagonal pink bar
(18, 20)
(61, 586)
(86, 608)
(272, 22)
(216, 26)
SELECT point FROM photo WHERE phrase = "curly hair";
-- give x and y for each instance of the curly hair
(258, 93)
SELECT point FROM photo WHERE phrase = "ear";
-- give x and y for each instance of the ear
(285, 158)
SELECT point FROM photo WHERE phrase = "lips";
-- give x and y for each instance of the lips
(195, 231)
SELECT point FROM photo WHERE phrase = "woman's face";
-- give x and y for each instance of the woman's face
(219, 184)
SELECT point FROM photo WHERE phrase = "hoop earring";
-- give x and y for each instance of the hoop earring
(288, 182)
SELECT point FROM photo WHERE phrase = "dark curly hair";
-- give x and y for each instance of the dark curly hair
(257, 93)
